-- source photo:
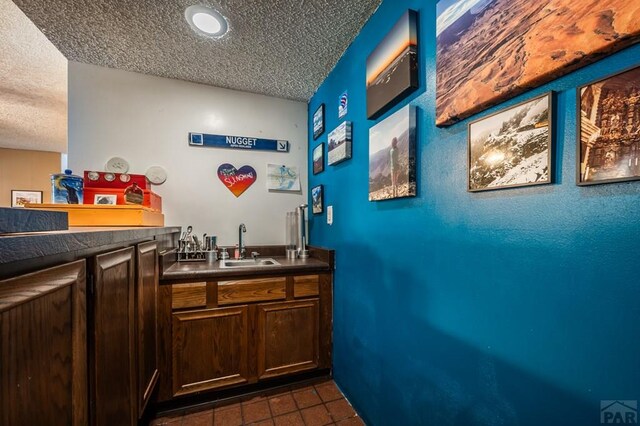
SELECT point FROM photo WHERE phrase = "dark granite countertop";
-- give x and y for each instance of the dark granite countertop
(30, 245)
(207, 270)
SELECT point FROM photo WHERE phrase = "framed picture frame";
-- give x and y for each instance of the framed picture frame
(317, 199)
(20, 197)
(469, 81)
(608, 129)
(392, 67)
(392, 156)
(105, 199)
(318, 159)
(339, 143)
(512, 147)
(318, 122)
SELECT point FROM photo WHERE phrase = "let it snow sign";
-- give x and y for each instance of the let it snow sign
(237, 142)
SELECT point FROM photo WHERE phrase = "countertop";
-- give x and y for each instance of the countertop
(29, 245)
(204, 270)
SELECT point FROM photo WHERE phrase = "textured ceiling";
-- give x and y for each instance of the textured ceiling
(282, 48)
(33, 86)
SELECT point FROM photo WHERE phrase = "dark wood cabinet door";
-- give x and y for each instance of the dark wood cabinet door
(43, 359)
(147, 321)
(210, 349)
(113, 378)
(287, 337)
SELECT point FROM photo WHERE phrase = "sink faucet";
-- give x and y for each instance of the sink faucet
(241, 229)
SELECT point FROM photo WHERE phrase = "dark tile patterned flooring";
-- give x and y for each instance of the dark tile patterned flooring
(310, 404)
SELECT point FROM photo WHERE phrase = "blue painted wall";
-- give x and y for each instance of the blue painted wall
(512, 307)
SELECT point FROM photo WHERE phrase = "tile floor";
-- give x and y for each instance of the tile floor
(311, 404)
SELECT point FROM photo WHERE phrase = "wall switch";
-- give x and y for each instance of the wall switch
(329, 215)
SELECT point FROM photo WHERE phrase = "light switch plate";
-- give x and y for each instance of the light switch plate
(329, 215)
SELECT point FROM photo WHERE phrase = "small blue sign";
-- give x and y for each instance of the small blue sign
(237, 142)
(343, 104)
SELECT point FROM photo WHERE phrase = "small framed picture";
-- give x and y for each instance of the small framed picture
(318, 122)
(609, 129)
(21, 197)
(317, 202)
(105, 199)
(339, 145)
(318, 159)
(512, 147)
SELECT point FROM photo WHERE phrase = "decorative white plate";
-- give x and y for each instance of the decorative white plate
(117, 165)
(93, 176)
(157, 175)
(109, 177)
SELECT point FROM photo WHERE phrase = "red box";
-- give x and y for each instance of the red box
(120, 180)
(151, 199)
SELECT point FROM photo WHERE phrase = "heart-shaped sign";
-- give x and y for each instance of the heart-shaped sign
(237, 180)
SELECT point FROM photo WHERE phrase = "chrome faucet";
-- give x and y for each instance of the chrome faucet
(241, 229)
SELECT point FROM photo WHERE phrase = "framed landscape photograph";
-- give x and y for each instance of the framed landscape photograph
(392, 68)
(317, 202)
(392, 159)
(489, 51)
(339, 145)
(512, 147)
(318, 159)
(21, 197)
(318, 122)
(609, 129)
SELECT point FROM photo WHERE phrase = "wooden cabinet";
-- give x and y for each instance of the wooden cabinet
(124, 334)
(147, 322)
(209, 349)
(43, 359)
(287, 338)
(113, 378)
(229, 333)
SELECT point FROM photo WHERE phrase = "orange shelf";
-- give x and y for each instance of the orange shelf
(94, 215)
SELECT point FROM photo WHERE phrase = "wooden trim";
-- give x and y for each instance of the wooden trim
(189, 296)
(144, 390)
(247, 291)
(306, 286)
(165, 343)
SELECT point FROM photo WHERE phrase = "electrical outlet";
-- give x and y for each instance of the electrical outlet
(329, 215)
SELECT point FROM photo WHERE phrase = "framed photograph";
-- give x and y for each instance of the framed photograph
(283, 178)
(512, 147)
(318, 159)
(609, 129)
(339, 145)
(392, 159)
(392, 68)
(105, 199)
(21, 197)
(318, 122)
(490, 51)
(317, 202)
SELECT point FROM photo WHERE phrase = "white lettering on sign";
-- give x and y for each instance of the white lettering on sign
(232, 180)
(237, 140)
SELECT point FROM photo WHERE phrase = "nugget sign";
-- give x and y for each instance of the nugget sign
(237, 142)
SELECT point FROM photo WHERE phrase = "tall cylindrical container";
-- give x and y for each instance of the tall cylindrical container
(66, 188)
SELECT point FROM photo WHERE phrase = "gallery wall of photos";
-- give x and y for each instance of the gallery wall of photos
(513, 147)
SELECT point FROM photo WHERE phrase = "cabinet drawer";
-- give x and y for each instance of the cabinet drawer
(189, 295)
(247, 291)
(306, 286)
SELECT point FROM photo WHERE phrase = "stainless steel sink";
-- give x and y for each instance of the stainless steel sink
(249, 263)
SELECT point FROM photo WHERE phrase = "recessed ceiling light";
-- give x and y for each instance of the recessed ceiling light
(206, 21)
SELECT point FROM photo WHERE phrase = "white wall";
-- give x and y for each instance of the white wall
(146, 120)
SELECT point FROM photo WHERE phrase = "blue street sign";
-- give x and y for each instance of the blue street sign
(237, 142)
